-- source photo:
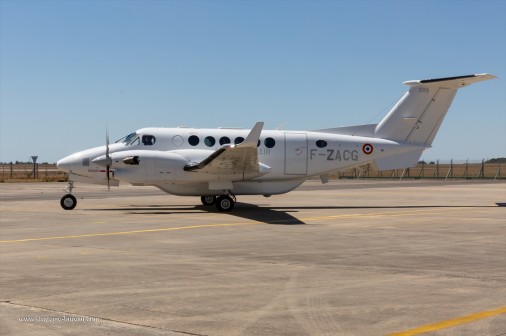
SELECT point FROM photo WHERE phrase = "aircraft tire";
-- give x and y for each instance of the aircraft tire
(68, 202)
(225, 203)
(208, 200)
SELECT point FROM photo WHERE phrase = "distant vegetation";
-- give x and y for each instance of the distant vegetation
(497, 160)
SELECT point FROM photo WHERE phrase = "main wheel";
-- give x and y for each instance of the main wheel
(68, 202)
(208, 200)
(224, 203)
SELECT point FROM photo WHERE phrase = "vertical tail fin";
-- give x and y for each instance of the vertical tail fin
(417, 116)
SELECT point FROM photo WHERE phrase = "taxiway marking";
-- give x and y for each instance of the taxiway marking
(129, 232)
(307, 219)
(451, 322)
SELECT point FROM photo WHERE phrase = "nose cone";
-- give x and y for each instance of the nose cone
(80, 162)
(68, 163)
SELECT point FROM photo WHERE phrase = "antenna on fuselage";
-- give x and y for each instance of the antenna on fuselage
(281, 126)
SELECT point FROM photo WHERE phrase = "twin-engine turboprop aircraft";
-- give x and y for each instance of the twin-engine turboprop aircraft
(217, 164)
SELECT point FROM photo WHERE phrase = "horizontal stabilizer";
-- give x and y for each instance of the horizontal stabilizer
(399, 161)
(451, 82)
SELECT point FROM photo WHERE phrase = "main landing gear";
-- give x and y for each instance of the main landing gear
(68, 201)
(223, 203)
(208, 200)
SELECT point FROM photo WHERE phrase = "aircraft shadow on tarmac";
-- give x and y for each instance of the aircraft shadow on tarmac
(243, 210)
(262, 213)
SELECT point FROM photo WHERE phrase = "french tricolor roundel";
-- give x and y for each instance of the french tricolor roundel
(367, 149)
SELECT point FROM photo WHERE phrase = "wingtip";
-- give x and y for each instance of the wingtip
(253, 136)
(486, 76)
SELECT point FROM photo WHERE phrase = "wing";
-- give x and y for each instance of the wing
(234, 159)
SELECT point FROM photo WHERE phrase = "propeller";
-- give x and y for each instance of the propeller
(108, 159)
(105, 161)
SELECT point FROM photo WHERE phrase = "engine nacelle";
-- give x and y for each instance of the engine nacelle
(146, 167)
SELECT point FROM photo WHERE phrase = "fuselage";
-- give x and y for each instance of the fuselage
(291, 156)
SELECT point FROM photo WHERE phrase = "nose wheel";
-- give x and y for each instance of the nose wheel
(68, 201)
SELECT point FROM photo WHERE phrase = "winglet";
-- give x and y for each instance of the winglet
(253, 136)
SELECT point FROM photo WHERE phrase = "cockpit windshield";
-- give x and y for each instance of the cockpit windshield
(135, 139)
(128, 139)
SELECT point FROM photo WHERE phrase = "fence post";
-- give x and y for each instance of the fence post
(450, 171)
(482, 170)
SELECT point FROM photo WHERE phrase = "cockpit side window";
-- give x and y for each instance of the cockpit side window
(135, 141)
(148, 140)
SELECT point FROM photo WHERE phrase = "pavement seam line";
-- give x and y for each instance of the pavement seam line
(101, 318)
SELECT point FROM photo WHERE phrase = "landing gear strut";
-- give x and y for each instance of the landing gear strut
(68, 201)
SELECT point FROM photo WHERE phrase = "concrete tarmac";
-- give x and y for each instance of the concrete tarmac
(346, 258)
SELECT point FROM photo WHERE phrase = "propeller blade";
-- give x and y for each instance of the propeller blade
(106, 142)
(108, 159)
(108, 179)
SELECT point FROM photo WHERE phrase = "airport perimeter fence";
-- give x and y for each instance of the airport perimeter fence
(43, 172)
(449, 170)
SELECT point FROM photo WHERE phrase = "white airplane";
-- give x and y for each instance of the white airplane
(217, 164)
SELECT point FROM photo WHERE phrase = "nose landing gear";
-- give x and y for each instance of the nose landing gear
(68, 201)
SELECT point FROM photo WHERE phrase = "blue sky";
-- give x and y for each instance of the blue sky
(69, 69)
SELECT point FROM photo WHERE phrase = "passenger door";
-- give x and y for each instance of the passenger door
(295, 153)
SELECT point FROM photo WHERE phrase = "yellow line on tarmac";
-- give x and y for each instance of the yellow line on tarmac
(377, 214)
(129, 232)
(451, 323)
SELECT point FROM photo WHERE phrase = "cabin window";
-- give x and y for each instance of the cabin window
(148, 140)
(238, 140)
(209, 141)
(269, 142)
(193, 140)
(321, 143)
(224, 140)
(177, 140)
